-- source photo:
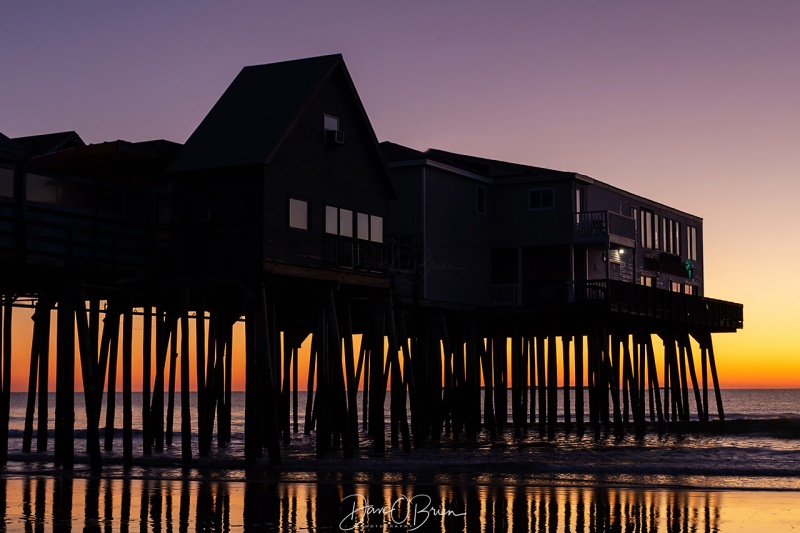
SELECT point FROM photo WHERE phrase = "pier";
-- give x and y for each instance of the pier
(141, 258)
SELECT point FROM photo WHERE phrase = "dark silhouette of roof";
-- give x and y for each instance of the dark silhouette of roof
(36, 145)
(493, 168)
(397, 152)
(115, 150)
(111, 161)
(490, 168)
(257, 112)
(9, 148)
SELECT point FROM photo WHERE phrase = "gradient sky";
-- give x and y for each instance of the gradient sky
(693, 104)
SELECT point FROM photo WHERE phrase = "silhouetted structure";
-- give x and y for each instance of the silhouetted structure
(530, 254)
(280, 210)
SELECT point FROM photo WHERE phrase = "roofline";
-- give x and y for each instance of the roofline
(643, 200)
(442, 166)
(558, 175)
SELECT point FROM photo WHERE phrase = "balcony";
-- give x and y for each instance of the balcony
(619, 297)
(604, 227)
(355, 254)
(628, 298)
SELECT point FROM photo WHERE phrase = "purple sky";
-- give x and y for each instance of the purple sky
(694, 104)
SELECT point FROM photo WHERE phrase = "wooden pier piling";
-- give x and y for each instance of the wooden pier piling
(88, 364)
(186, 412)
(39, 369)
(616, 367)
(127, 386)
(5, 383)
(147, 356)
(252, 405)
(63, 442)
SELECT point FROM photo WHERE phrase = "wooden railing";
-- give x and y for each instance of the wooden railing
(604, 223)
(634, 299)
(506, 294)
(621, 297)
(356, 254)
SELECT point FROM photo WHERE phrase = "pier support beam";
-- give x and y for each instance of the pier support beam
(147, 356)
(252, 403)
(127, 385)
(707, 355)
(552, 387)
(399, 415)
(109, 347)
(186, 413)
(686, 349)
(579, 400)
(499, 359)
(39, 368)
(377, 384)
(541, 386)
(5, 391)
(269, 400)
(90, 394)
(64, 445)
(565, 356)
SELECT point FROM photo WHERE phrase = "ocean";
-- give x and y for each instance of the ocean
(740, 475)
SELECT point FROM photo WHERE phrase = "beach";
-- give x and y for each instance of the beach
(208, 502)
(738, 475)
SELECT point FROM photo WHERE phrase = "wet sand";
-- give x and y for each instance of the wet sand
(391, 502)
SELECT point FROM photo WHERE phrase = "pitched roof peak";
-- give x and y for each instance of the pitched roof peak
(257, 111)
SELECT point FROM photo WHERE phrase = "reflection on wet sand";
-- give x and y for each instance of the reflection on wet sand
(53, 503)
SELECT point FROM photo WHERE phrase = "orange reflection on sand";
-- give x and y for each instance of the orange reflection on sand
(207, 503)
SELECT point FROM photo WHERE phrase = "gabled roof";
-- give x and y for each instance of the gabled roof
(257, 112)
(9, 148)
(36, 145)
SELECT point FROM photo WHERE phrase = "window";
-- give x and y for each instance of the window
(363, 226)
(674, 286)
(579, 199)
(689, 289)
(375, 228)
(656, 240)
(330, 123)
(369, 227)
(480, 199)
(7, 182)
(338, 221)
(647, 281)
(691, 243)
(646, 229)
(298, 214)
(541, 199)
(331, 220)
(670, 236)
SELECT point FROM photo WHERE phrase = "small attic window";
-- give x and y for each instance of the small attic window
(330, 123)
(332, 133)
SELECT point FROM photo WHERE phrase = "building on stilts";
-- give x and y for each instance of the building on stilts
(488, 296)
(535, 279)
